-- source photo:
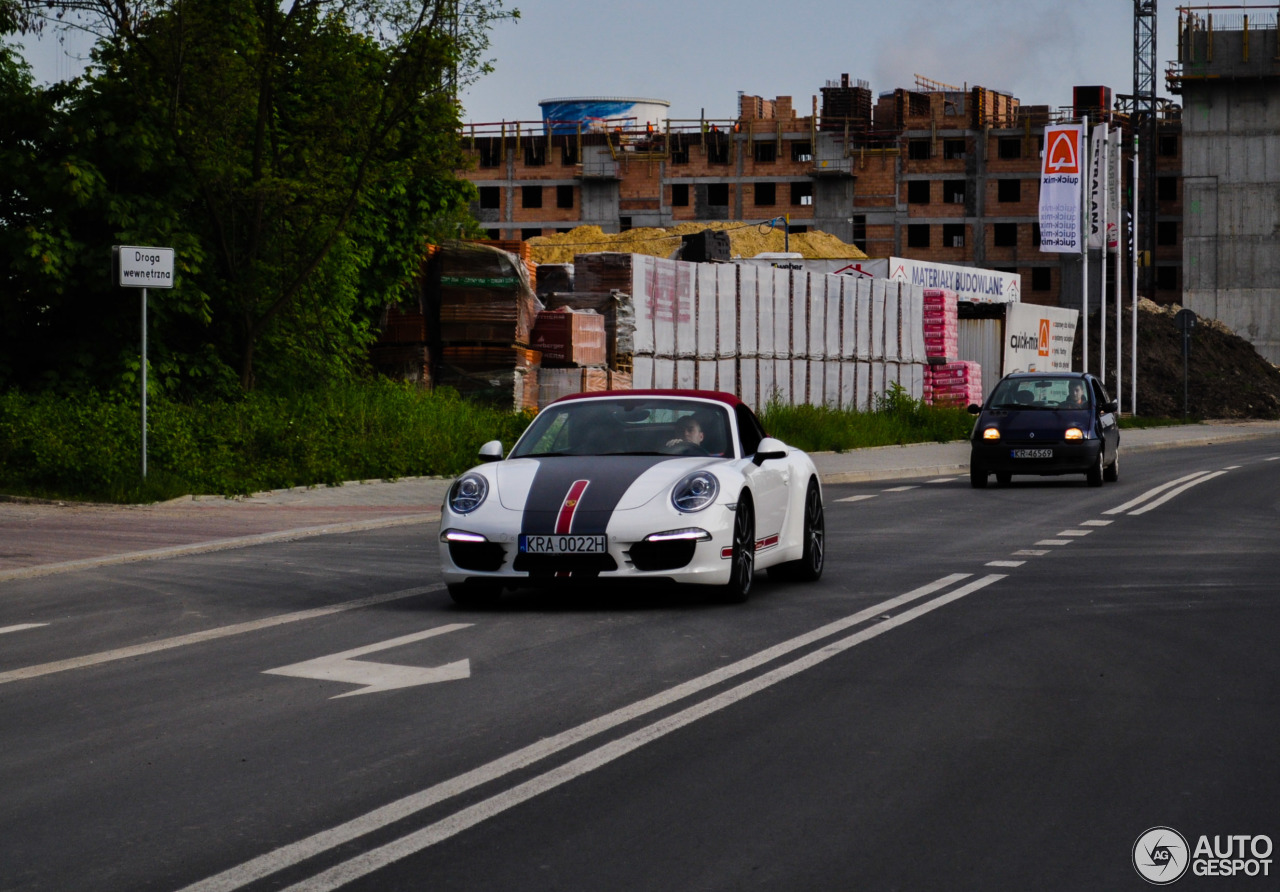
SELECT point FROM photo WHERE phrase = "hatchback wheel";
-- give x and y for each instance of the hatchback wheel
(1112, 472)
(1094, 474)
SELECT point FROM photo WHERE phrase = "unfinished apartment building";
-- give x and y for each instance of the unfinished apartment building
(937, 173)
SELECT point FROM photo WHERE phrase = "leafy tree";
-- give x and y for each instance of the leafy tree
(296, 157)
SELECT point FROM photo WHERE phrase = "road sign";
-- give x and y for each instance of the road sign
(144, 267)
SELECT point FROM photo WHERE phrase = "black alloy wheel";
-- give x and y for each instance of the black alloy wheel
(743, 558)
(809, 567)
(475, 595)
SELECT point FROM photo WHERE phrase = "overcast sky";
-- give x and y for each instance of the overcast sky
(698, 54)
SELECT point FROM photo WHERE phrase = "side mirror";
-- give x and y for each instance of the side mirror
(975, 409)
(1113, 406)
(769, 449)
(491, 451)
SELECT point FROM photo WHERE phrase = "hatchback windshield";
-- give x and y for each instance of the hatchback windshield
(664, 426)
(1040, 393)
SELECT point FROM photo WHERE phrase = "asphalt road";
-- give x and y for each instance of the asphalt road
(988, 689)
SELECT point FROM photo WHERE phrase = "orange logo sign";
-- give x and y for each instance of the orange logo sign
(1061, 155)
(1044, 337)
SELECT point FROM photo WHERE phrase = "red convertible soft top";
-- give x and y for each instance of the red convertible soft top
(727, 398)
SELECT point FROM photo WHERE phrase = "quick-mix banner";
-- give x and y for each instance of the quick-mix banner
(1038, 339)
(971, 284)
(1061, 181)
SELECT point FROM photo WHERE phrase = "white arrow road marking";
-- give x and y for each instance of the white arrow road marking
(378, 676)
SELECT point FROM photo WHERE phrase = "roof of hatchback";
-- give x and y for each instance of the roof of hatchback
(719, 396)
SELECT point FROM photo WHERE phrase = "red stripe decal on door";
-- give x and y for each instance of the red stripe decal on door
(569, 507)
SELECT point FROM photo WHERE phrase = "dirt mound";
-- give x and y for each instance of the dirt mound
(1226, 377)
(745, 240)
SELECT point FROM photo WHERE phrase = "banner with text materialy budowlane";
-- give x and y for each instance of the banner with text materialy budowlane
(1038, 339)
(1061, 178)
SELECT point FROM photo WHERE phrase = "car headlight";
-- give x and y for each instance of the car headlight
(468, 493)
(695, 492)
(1074, 433)
(991, 433)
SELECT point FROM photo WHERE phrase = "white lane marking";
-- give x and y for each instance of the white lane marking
(1152, 493)
(1173, 492)
(22, 628)
(363, 865)
(945, 480)
(1233, 467)
(1054, 542)
(900, 489)
(1272, 458)
(1031, 552)
(1076, 533)
(295, 853)
(1097, 523)
(855, 498)
(138, 650)
(376, 677)
(1005, 563)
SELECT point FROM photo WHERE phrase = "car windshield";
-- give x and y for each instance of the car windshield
(627, 426)
(1040, 393)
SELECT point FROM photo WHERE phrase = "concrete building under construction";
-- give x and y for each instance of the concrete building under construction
(936, 172)
(1228, 72)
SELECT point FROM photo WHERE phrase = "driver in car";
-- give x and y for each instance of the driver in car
(1076, 399)
(691, 435)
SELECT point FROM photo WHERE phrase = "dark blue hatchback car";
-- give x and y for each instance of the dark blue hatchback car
(1045, 424)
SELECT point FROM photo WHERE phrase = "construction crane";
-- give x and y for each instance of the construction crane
(1144, 131)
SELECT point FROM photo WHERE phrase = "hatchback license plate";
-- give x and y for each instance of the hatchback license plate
(563, 544)
(1032, 453)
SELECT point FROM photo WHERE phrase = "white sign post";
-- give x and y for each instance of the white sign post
(144, 268)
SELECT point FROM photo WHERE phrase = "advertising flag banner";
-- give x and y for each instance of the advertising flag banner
(1061, 176)
(1097, 183)
(1113, 191)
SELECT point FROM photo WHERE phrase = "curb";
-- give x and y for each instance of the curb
(214, 545)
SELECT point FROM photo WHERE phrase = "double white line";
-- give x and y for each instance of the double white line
(1170, 489)
(362, 865)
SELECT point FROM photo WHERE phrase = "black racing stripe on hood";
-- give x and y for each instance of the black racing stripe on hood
(610, 477)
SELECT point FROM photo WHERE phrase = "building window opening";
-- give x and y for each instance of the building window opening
(917, 191)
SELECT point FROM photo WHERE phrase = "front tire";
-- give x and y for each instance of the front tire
(743, 558)
(977, 474)
(1112, 471)
(474, 595)
(1094, 474)
(809, 567)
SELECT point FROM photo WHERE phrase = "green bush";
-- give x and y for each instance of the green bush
(90, 447)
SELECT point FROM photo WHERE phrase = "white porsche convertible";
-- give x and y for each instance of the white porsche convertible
(678, 485)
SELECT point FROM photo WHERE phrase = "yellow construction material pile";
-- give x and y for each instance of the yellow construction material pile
(745, 240)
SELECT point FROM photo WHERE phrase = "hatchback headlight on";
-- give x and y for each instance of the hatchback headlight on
(991, 433)
(695, 492)
(1074, 433)
(468, 493)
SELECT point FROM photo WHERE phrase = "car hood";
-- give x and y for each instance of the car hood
(614, 482)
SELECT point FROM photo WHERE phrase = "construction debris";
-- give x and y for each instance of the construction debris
(745, 240)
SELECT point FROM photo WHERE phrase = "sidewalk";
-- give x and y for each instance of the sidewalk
(42, 538)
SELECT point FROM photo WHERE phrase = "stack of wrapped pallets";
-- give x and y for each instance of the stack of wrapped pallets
(957, 383)
(941, 325)
(574, 354)
(481, 311)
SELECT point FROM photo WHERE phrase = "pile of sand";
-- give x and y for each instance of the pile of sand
(745, 240)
